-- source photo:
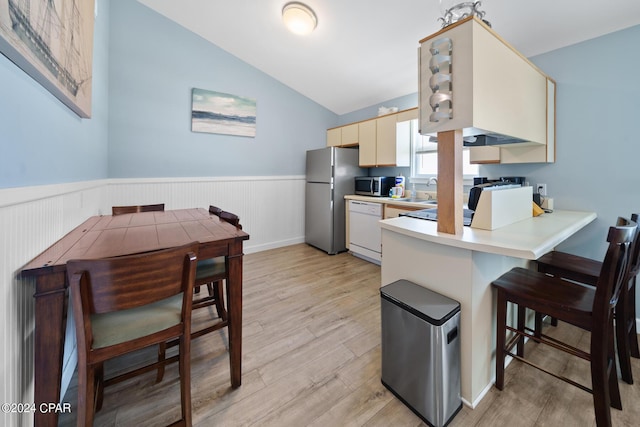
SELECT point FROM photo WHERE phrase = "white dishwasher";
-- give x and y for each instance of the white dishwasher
(365, 240)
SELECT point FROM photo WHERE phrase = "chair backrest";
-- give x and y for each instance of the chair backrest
(119, 210)
(112, 284)
(614, 269)
(230, 218)
(214, 210)
(634, 260)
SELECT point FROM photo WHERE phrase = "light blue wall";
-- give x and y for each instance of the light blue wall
(144, 69)
(41, 140)
(402, 103)
(154, 64)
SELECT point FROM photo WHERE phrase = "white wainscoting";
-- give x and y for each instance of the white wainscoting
(271, 210)
(31, 219)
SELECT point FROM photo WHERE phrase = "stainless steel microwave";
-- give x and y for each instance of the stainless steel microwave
(378, 186)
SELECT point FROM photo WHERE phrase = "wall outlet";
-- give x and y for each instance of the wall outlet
(542, 189)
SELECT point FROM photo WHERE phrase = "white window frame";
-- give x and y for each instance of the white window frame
(419, 142)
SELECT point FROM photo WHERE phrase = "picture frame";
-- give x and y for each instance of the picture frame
(222, 113)
(52, 41)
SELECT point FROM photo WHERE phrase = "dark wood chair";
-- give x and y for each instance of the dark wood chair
(590, 308)
(586, 270)
(210, 272)
(119, 210)
(214, 210)
(230, 218)
(127, 303)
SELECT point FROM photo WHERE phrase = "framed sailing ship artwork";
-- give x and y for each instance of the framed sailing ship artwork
(52, 41)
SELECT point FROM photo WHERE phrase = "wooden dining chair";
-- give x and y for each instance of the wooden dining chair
(119, 210)
(231, 218)
(127, 303)
(210, 272)
(590, 308)
(214, 210)
(587, 271)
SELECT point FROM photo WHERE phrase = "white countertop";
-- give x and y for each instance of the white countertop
(527, 239)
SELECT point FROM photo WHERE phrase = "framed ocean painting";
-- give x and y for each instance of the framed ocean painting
(222, 113)
(52, 41)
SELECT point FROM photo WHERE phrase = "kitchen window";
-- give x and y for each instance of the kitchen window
(424, 160)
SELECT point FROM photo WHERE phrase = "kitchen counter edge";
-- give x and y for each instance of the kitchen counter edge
(528, 239)
(391, 201)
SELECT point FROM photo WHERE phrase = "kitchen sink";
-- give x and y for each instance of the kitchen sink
(409, 199)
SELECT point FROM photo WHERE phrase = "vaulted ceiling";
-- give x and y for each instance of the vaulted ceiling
(364, 52)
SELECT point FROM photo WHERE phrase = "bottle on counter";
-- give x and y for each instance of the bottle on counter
(400, 183)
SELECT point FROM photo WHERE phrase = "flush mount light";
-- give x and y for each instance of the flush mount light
(299, 18)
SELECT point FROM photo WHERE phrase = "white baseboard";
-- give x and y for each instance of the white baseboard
(248, 249)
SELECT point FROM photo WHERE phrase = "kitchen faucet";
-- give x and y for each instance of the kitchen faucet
(432, 179)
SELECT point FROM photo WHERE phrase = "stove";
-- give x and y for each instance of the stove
(432, 215)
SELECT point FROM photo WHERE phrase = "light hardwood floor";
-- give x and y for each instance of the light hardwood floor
(311, 357)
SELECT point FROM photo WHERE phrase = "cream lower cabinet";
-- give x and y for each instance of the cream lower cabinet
(393, 211)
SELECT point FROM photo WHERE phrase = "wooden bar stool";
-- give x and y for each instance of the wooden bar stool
(586, 270)
(586, 307)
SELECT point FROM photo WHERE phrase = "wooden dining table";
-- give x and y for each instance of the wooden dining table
(106, 236)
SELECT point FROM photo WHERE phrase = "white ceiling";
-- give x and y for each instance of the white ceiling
(364, 52)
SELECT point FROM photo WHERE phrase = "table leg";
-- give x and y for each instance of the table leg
(50, 306)
(234, 301)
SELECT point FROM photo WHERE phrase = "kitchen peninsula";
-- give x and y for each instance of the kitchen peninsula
(462, 266)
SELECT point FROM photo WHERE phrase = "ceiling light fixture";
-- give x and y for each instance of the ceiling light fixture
(299, 18)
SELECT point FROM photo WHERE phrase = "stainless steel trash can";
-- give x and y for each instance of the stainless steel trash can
(421, 350)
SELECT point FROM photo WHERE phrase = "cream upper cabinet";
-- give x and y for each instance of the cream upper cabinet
(377, 139)
(386, 141)
(407, 115)
(344, 136)
(367, 148)
(334, 137)
(379, 144)
(471, 79)
(350, 135)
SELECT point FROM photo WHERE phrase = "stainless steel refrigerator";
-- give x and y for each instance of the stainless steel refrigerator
(330, 176)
